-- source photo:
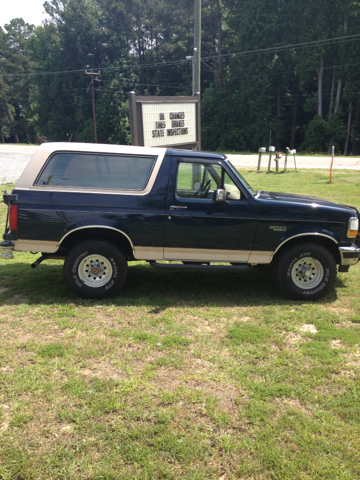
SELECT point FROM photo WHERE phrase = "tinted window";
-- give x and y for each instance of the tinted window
(97, 171)
(196, 180)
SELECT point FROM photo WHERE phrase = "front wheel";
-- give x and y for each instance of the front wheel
(95, 269)
(305, 272)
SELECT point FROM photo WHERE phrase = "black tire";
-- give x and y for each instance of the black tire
(306, 271)
(95, 269)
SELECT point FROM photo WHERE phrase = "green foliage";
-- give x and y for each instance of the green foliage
(17, 89)
(266, 73)
(320, 132)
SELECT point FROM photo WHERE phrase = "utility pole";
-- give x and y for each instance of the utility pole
(190, 58)
(197, 48)
(93, 74)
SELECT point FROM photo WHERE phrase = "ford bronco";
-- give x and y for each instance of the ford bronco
(98, 207)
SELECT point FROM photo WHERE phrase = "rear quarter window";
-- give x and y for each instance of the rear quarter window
(125, 172)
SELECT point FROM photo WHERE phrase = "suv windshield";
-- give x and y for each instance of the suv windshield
(238, 174)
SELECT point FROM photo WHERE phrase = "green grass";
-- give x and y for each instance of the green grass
(182, 375)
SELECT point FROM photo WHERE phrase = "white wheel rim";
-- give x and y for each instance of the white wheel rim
(307, 273)
(95, 271)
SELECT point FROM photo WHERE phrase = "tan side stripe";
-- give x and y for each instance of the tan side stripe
(35, 246)
(149, 253)
(159, 253)
(260, 257)
(203, 254)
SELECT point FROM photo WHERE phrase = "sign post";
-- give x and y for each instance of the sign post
(271, 149)
(332, 161)
(261, 151)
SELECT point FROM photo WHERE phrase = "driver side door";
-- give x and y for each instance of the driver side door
(197, 228)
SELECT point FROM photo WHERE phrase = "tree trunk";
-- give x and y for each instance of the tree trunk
(356, 127)
(320, 86)
(278, 100)
(340, 81)
(2, 134)
(332, 95)
(338, 95)
(295, 112)
(219, 34)
(141, 54)
(10, 120)
(348, 130)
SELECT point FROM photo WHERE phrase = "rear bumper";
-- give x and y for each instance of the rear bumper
(349, 255)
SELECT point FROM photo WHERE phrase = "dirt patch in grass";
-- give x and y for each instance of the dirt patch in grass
(170, 380)
(227, 396)
(26, 337)
(344, 324)
(308, 328)
(354, 359)
(341, 311)
(205, 326)
(337, 344)
(293, 403)
(105, 371)
(350, 374)
(7, 369)
(5, 418)
(292, 339)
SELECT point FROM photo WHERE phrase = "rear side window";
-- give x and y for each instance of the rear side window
(97, 171)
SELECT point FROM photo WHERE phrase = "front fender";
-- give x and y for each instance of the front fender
(312, 232)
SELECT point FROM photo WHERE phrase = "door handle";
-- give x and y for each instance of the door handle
(177, 207)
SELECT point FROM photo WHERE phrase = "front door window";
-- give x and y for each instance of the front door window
(200, 180)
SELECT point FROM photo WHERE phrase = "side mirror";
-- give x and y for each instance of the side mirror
(219, 196)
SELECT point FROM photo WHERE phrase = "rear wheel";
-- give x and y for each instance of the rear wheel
(95, 269)
(305, 271)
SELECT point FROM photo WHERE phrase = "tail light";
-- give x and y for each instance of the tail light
(14, 218)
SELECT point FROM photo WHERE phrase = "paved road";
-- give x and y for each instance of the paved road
(349, 163)
(14, 158)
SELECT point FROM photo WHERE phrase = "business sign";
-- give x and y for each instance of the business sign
(165, 121)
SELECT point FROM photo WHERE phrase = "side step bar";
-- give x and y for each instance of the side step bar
(198, 266)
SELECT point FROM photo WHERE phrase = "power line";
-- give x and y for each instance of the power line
(179, 84)
(329, 41)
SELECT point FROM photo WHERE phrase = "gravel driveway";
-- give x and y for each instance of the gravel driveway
(12, 165)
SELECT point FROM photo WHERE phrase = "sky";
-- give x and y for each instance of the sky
(31, 11)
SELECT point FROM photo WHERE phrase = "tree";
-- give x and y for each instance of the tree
(78, 38)
(15, 81)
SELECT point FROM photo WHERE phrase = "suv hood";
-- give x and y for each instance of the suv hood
(304, 200)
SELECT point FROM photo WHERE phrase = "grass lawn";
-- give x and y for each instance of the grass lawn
(182, 375)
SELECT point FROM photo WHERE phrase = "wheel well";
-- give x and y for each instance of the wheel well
(113, 236)
(319, 240)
